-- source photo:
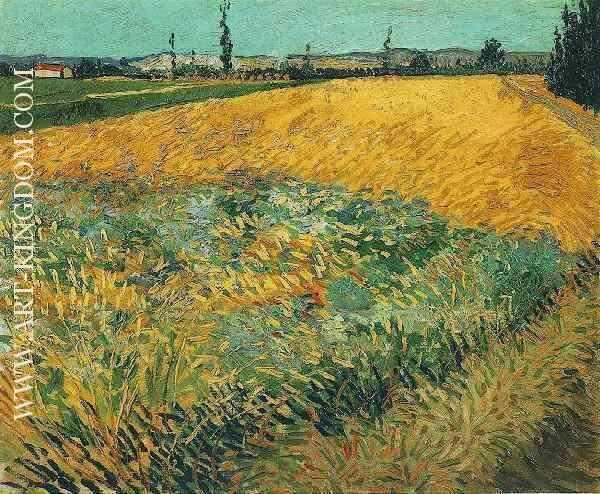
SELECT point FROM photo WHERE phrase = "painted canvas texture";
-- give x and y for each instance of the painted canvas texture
(299, 246)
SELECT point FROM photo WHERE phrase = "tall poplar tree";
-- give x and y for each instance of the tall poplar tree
(173, 54)
(387, 50)
(226, 42)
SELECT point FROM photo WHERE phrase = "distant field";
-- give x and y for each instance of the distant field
(68, 102)
(65, 90)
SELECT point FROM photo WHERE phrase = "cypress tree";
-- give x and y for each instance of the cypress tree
(574, 69)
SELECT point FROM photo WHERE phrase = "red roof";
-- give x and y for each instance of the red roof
(50, 66)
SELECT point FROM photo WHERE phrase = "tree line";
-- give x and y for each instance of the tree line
(491, 60)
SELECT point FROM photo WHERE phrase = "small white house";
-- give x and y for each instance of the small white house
(52, 71)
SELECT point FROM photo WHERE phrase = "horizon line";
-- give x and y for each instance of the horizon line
(322, 53)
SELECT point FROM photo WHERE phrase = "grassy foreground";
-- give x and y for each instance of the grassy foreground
(268, 334)
(68, 103)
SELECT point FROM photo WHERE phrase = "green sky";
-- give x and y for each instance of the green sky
(278, 27)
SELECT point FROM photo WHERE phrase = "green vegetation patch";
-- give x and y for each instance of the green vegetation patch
(221, 316)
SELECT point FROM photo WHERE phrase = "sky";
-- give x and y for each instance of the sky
(270, 27)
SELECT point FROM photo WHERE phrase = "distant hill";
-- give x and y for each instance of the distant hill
(162, 61)
(29, 60)
(399, 56)
(403, 56)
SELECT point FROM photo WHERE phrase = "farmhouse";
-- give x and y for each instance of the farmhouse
(52, 71)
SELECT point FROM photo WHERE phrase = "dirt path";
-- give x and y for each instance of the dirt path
(165, 89)
(533, 90)
(116, 94)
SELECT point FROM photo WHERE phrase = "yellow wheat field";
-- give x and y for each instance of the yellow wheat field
(476, 148)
